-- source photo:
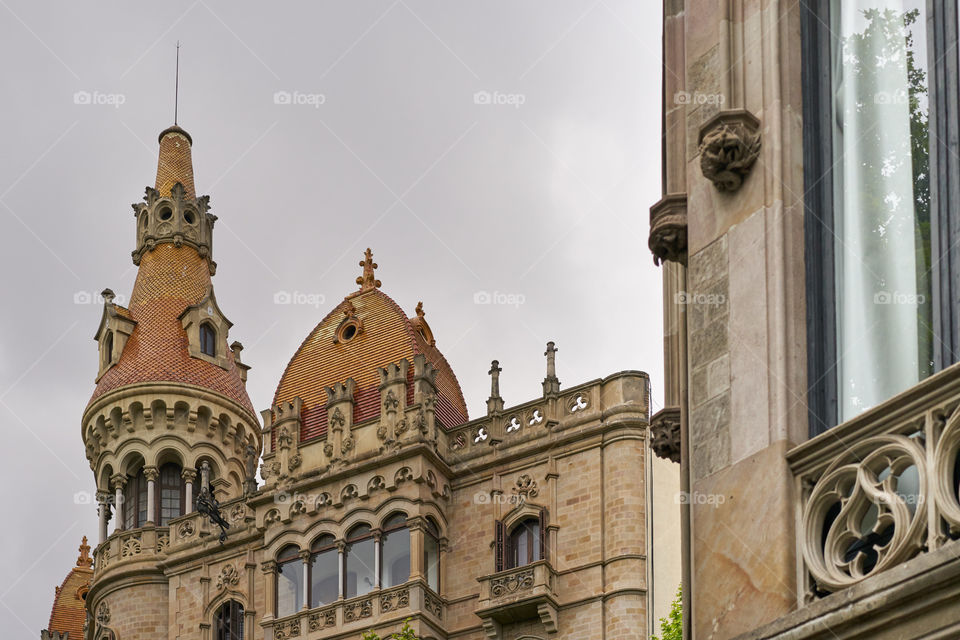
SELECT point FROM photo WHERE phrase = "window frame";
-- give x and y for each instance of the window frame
(315, 550)
(944, 123)
(207, 330)
(431, 531)
(282, 560)
(385, 530)
(236, 615)
(349, 544)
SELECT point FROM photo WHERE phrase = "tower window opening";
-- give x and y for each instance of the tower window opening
(208, 340)
(166, 214)
(189, 218)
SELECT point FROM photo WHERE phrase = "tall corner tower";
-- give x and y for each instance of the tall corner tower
(170, 416)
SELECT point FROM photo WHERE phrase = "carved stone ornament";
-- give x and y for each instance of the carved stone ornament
(322, 619)
(347, 445)
(665, 434)
(668, 229)
(186, 529)
(729, 145)
(288, 629)
(511, 583)
(526, 487)
(842, 542)
(103, 614)
(229, 577)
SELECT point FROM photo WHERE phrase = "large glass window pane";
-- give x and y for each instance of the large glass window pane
(395, 558)
(324, 577)
(170, 496)
(289, 587)
(881, 200)
(431, 553)
(359, 574)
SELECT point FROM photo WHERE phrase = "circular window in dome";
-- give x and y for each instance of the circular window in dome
(166, 214)
(189, 217)
(348, 332)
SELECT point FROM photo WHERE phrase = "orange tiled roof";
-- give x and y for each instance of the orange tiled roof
(175, 163)
(68, 613)
(169, 280)
(388, 336)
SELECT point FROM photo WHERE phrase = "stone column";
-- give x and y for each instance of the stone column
(269, 569)
(341, 550)
(189, 476)
(119, 481)
(377, 535)
(417, 568)
(103, 510)
(305, 556)
(151, 474)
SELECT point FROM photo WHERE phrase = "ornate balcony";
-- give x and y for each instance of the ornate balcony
(358, 613)
(880, 489)
(518, 594)
(129, 547)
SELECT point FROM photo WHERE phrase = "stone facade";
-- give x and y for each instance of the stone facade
(764, 555)
(368, 422)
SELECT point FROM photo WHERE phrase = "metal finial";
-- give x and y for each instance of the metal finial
(176, 87)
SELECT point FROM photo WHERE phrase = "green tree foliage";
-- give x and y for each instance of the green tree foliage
(405, 633)
(671, 627)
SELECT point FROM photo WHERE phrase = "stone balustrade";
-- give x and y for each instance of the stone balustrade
(127, 547)
(357, 613)
(880, 489)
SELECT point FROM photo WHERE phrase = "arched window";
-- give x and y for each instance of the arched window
(359, 575)
(324, 571)
(108, 349)
(171, 494)
(228, 623)
(168, 498)
(431, 554)
(395, 551)
(289, 581)
(208, 339)
(524, 543)
(135, 501)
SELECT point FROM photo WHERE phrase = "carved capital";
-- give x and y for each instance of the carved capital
(729, 145)
(189, 475)
(118, 481)
(151, 473)
(665, 434)
(668, 229)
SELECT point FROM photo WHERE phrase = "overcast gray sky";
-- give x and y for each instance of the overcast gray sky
(538, 195)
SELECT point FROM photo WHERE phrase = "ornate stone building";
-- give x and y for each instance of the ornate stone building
(381, 500)
(808, 234)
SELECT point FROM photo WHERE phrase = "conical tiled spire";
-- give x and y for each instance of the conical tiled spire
(175, 163)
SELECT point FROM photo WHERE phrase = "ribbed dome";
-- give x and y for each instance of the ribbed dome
(68, 613)
(387, 336)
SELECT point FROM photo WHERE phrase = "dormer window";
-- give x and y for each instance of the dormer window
(208, 340)
(207, 330)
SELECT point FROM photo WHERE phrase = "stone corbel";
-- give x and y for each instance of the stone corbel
(729, 145)
(665, 434)
(668, 229)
